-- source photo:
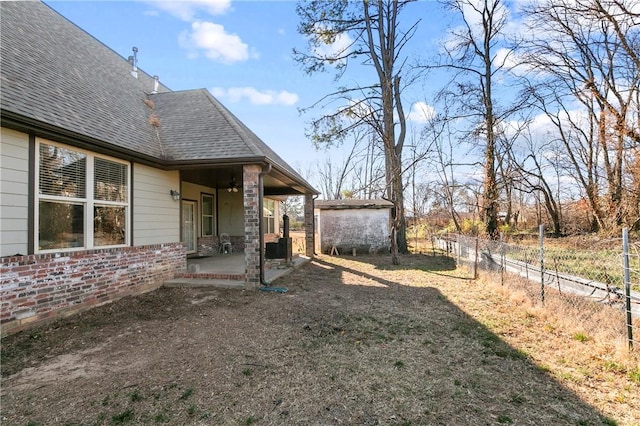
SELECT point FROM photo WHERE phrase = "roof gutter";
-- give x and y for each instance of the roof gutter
(200, 163)
(28, 125)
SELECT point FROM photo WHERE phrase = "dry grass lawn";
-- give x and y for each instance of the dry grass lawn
(354, 341)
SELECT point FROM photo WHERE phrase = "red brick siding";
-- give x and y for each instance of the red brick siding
(210, 245)
(41, 287)
(251, 191)
(309, 226)
(207, 246)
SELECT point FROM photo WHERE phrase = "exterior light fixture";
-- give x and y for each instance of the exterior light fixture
(233, 186)
(175, 195)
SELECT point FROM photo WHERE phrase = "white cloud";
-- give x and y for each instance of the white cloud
(214, 43)
(339, 48)
(504, 57)
(421, 112)
(255, 96)
(187, 9)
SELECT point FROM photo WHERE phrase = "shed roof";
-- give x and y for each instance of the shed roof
(55, 77)
(353, 204)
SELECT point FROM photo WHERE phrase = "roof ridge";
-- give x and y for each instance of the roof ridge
(244, 132)
(103, 44)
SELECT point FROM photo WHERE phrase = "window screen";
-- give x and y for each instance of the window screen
(110, 181)
(62, 172)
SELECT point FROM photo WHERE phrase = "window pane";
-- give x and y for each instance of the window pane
(62, 172)
(207, 225)
(110, 182)
(207, 205)
(207, 215)
(61, 225)
(268, 213)
(109, 225)
(268, 208)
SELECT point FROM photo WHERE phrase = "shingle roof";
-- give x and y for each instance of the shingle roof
(201, 128)
(55, 73)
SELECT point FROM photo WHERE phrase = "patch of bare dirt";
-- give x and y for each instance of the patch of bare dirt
(354, 341)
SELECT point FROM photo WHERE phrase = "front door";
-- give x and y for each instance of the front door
(189, 209)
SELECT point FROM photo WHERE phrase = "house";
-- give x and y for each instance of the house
(353, 226)
(109, 179)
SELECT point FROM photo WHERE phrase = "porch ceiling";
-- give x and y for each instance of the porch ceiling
(275, 183)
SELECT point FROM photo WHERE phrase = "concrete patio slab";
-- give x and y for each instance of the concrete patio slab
(227, 271)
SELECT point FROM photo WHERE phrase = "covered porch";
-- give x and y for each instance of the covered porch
(238, 203)
(228, 271)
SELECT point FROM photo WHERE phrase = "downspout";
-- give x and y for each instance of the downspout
(261, 220)
(314, 224)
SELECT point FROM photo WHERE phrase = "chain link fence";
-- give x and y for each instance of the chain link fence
(600, 283)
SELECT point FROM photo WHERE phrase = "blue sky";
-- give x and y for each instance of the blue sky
(241, 51)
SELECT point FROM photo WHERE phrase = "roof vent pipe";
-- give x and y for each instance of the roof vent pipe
(134, 63)
(155, 84)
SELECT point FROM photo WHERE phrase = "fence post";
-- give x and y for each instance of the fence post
(433, 245)
(541, 230)
(502, 262)
(627, 284)
(475, 262)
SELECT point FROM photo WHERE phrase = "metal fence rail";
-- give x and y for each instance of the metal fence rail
(603, 275)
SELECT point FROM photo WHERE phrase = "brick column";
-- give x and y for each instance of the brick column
(251, 193)
(309, 228)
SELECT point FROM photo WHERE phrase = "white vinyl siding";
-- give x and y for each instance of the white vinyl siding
(14, 190)
(156, 216)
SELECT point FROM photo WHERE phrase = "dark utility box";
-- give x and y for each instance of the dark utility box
(279, 250)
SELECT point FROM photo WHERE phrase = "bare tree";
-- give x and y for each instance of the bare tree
(577, 135)
(589, 51)
(471, 52)
(368, 175)
(292, 207)
(539, 172)
(632, 184)
(445, 169)
(333, 175)
(373, 35)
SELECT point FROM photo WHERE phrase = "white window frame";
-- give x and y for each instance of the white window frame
(88, 202)
(212, 215)
(268, 219)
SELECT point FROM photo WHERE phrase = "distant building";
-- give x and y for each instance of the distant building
(348, 225)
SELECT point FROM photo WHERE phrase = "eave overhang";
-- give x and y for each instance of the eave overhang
(12, 120)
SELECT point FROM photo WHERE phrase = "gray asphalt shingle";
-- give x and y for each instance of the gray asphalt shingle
(55, 73)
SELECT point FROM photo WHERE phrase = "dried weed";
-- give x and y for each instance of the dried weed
(355, 341)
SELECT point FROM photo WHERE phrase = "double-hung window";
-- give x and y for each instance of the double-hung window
(82, 199)
(208, 218)
(269, 216)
